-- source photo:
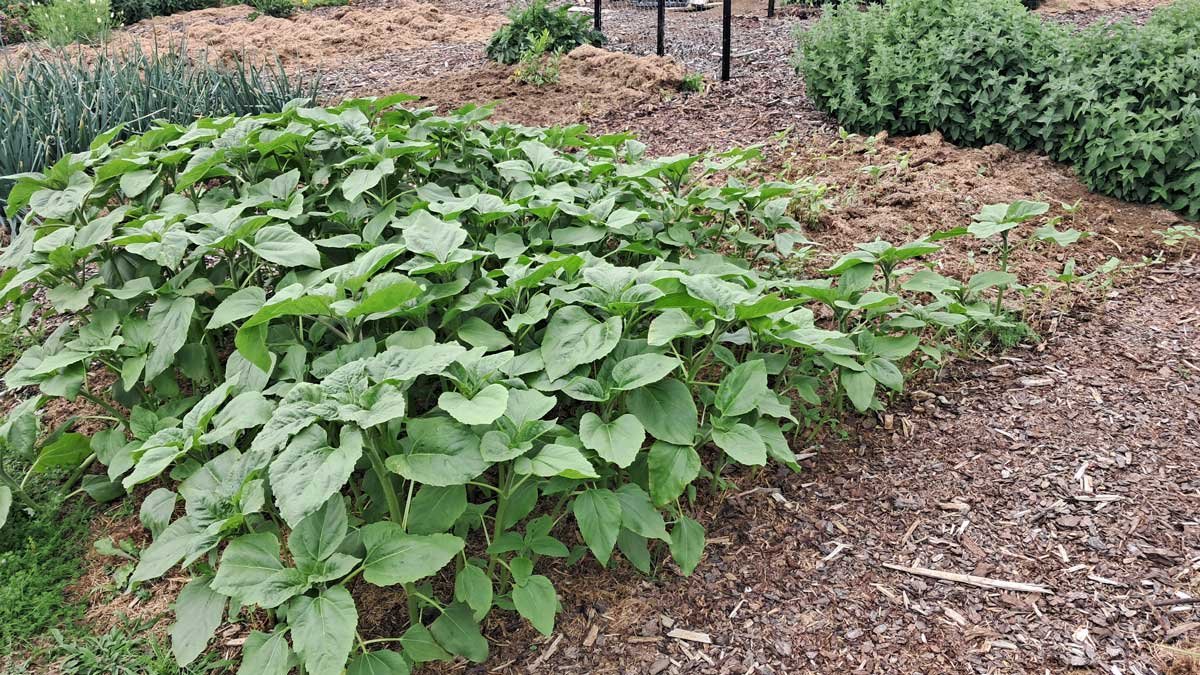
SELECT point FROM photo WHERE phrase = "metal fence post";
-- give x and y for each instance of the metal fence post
(770, 8)
(662, 27)
(726, 20)
(596, 14)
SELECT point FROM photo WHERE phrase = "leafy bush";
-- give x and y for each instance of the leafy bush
(54, 106)
(14, 21)
(431, 351)
(536, 66)
(1112, 100)
(280, 9)
(132, 11)
(63, 22)
(567, 31)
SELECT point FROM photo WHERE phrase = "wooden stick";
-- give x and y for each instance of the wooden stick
(971, 579)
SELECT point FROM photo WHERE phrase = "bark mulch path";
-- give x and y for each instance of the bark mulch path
(1075, 465)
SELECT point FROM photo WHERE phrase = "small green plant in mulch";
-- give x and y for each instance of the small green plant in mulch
(538, 67)
(566, 31)
(692, 82)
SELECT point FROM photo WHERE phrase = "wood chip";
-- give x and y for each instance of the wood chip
(972, 580)
(593, 633)
(690, 636)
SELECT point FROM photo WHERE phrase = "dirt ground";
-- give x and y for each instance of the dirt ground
(318, 40)
(1073, 464)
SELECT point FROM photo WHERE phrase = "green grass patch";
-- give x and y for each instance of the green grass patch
(39, 558)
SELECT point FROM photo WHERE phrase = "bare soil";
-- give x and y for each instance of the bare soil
(592, 82)
(323, 39)
(1066, 6)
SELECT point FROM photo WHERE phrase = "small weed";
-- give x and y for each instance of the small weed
(1180, 236)
(692, 82)
(129, 649)
(539, 66)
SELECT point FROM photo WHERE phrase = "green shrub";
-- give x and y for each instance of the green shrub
(567, 30)
(54, 106)
(1112, 100)
(280, 9)
(14, 21)
(63, 22)
(537, 67)
(435, 347)
(132, 11)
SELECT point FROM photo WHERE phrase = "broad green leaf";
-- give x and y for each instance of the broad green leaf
(169, 319)
(484, 408)
(672, 467)
(52, 203)
(741, 388)
(479, 333)
(860, 388)
(387, 299)
(436, 509)
(198, 612)
(742, 443)
(323, 630)
(473, 586)
(249, 563)
(598, 514)
(556, 460)
(320, 534)
(457, 631)
(305, 474)
(179, 540)
(266, 654)
(573, 338)
(444, 453)
(67, 452)
(382, 662)
(671, 324)
(886, 373)
(666, 409)
(638, 514)
(641, 370)
(687, 544)
(281, 245)
(633, 547)
(239, 305)
(618, 441)
(536, 601)
(394, 557)
(420, 646)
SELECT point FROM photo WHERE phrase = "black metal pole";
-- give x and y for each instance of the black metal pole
(770, 8)
(662, 27)
(726, 20)
(596, 14)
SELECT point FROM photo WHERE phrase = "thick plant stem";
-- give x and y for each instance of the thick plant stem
(17, 491)
(396, 512)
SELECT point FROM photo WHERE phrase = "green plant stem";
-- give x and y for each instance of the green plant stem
(121, 417)
(395, 511)
(17, 490)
